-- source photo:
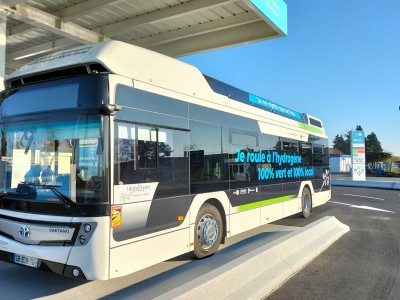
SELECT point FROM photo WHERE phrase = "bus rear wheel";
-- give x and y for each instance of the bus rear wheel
(306, 202)
(208, 231)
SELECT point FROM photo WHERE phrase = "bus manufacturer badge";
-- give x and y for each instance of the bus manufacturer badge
(116, 216)
(24, 232)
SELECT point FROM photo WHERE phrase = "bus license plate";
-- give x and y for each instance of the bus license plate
(26, 260)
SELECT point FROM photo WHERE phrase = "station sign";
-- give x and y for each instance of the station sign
(273, 11)
(358, 155)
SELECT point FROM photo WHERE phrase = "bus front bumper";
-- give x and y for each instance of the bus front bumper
(42, 265)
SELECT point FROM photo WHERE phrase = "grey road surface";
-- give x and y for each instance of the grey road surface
(363, 264)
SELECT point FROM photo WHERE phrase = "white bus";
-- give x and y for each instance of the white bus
(115, 158)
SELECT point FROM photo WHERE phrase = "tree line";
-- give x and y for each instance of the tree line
(373, 149)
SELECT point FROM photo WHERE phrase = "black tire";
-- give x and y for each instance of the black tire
(208, 231)
(306, 202)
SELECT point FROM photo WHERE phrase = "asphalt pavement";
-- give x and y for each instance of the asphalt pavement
(364, 263)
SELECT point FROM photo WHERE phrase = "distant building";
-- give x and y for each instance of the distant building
(340, 163)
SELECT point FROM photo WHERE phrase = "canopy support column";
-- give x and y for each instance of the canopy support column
(3, 38)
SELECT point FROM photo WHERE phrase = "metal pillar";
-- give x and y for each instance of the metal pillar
(3, 36)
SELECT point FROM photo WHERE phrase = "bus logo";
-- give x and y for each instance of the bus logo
(24, 232)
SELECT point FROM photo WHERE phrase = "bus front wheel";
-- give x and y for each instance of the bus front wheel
(306, 202)
(208, 231)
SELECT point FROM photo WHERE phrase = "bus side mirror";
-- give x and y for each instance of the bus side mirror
(111, 109)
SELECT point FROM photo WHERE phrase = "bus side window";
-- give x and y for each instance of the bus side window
(125, 152)
(208, 158)
(152, 154)
(147, 147)
(290, 147)
(317, 155)
(306, 153)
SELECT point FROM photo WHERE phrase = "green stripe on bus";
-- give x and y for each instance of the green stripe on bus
(311, 128)
(259, 204)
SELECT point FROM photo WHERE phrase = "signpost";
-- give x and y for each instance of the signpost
(358, 155)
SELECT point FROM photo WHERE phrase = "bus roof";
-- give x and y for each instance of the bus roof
(149, 67)
(125, 60)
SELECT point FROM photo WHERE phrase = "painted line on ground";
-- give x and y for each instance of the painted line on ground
(361, 196)
(363, 207)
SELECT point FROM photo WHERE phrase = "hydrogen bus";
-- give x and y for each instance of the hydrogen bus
(115, 158)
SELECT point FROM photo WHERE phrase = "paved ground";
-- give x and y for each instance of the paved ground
(363, 264)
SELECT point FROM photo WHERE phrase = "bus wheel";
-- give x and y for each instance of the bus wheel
(306, 202)
(208, 231)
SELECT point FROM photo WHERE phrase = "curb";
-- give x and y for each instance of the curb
(259, 272)
(391, 185)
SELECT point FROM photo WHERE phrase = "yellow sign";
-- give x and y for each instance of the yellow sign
(116, 216)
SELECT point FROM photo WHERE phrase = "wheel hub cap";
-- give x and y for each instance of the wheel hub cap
(207, 232)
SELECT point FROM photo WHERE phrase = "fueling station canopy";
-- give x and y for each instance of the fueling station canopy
(31, 28)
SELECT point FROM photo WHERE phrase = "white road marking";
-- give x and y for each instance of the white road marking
(364, 197)
(363, 207)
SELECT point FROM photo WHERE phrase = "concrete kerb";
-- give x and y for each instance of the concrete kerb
(392, 185)
(259, 272)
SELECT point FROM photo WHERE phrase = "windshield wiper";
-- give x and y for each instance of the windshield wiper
(68, 202)
(53, 187)
(29, 141)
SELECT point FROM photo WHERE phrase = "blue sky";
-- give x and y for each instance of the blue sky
(340, 62)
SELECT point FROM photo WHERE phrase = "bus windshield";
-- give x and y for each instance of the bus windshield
(52, 160)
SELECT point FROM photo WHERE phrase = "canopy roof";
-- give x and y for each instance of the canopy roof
(171, 27)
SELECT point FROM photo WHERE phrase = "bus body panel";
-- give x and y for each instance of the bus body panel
(291, 207)
(321, 198)
(271, 213)
(139, 255)
(243, 221)
(92, 257)
(138, 238)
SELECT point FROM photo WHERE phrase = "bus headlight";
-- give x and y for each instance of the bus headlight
(82, 239)
(87, 228)
(86, 231)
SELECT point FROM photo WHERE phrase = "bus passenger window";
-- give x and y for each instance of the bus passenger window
(306, 153)
(147, 147)
(125, 150)
(317, 155)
